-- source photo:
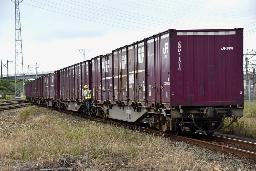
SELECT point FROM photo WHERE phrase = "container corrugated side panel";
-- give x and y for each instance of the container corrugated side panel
(95, 88)
(73, 90)
(109, 83)
(52, 87)
(77, 81)
(85, 74)
(124, 78)
(57, 84)
(164, 61)
(62, 85)
(207, 67)
(115, 74)
(151, 70)
(66, 84)
(140, 79)
(45, 86)
(131, 72)
(99, 78)
(103, 76)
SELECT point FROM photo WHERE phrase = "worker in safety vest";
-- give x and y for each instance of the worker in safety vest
(87, 98)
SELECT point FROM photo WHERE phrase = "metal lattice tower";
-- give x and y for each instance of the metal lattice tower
(18, 46)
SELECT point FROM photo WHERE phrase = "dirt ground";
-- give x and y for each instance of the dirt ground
(35, 138)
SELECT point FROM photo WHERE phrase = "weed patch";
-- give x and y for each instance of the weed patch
(46, 137)
(245, 126)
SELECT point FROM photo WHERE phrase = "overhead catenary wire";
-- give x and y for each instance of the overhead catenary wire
(103, 13)
(96, 13)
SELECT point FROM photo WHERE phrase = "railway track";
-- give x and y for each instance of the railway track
(12, 104)
(245, 149)
(238, 147)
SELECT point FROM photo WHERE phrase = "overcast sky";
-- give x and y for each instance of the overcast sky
(54, 30)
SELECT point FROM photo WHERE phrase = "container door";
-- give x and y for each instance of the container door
(151, 70)
(72, 82)
(80, 86)
(103, 64)
(207, 68)
(131, 67)
(94, 79)
(115, 74)
(164, 58)
(140, 72)
(109, 83)
(123, 64)
(120, 89)
(99, 78)
(52, 87)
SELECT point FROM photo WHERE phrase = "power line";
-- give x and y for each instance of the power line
(95, 12)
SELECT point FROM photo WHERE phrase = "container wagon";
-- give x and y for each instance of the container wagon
(177, 80)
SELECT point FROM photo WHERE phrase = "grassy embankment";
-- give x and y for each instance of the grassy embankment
(42, 136)
(246, 126)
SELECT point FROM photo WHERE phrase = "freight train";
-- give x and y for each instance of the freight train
(177, 80)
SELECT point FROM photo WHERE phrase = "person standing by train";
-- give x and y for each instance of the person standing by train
(87, 98)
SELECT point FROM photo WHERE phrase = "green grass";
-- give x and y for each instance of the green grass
(25, 113)
(245, 126)
(38, 135)
(250, 109)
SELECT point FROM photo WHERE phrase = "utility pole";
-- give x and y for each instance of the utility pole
(1, 69)
(18, 46)
(7, 68)
(82, 51)
(36, 69)
(28, 69)
(247, 77)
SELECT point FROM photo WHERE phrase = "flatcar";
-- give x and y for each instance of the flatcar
(177, 80)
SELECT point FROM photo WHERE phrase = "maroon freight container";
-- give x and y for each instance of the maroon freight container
(78, 81)
(51, 86)
(103, 76)
(45, 85)
(124, 75)
(96, 78)
(28, 89)
(62, 85)
(120, 73)
(131, 75)
(109, 78)
(158, 73)
(107, 85)
(206, 67)
(57, 84)
(115, 75)
(72, 83)
(40, 85)
(33, 87)
(140, 64)
(85, 74)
